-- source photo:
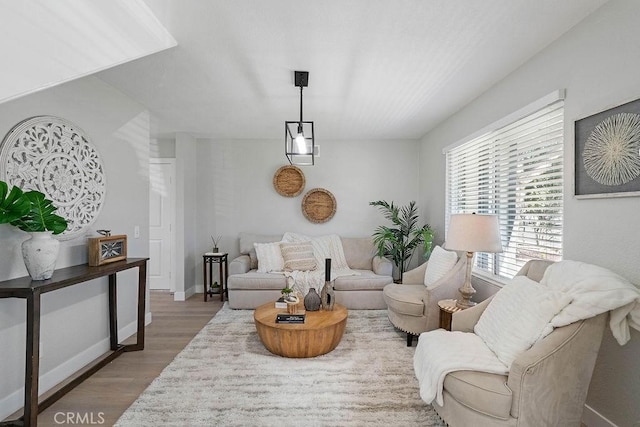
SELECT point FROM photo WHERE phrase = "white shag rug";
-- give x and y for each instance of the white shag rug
(225, 377)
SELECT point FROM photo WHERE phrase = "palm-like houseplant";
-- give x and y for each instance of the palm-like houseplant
(398, 242)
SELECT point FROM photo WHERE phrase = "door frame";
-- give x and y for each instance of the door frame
(172, 215)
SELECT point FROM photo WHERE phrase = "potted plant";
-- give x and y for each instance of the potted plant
(32, 212)
(398, 242)
(287, 292)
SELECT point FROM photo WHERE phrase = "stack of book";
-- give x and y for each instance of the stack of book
(281, 303)
(290, 318)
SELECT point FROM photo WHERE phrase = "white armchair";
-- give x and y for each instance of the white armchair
(412, 307)
(546, 385)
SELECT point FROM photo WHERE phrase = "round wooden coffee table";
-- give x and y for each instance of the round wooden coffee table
(320, 333)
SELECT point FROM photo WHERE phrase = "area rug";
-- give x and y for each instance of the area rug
(225, 377)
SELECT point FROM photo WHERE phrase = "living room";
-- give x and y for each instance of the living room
(224, 187)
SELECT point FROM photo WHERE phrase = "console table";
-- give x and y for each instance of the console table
(30, 290)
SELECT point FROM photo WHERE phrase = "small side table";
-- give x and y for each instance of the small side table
(209, 259)
(447, 308)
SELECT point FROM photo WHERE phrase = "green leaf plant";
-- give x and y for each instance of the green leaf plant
(398, 242)
(29, 211)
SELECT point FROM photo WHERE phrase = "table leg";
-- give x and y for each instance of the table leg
(142, 297)
(113, 312)
(220, 266)
(204, 277)
(32, 365)
(225, 289)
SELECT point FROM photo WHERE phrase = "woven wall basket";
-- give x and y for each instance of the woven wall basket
(318, 205)
(289, 181)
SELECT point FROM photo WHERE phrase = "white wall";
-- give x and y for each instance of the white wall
(236, 193)
(188, 199)
(75, 320)
(597, 62)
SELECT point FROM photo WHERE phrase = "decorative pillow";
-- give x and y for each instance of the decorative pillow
(440, 262)
(518, 316)
(298, 256)
(269, 257)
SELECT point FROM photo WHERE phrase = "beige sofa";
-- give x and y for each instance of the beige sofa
(546, 386)
(249, 289)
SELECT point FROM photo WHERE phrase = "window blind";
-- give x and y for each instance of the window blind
(515, 172)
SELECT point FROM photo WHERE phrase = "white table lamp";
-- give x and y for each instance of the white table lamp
(472, 233)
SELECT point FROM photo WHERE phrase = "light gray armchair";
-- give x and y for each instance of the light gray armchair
(412, 307)
(546, 386)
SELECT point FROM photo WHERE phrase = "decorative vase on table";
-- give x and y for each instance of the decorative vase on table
(40, 253)
(312, 301)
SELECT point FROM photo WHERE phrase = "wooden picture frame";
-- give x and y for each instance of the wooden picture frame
(607, 153)
(106, 249)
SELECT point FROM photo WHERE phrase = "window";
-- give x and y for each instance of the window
(514, 171)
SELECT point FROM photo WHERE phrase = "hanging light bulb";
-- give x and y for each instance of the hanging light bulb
(301, 143)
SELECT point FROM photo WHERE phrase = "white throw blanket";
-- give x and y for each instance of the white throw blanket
(465, 351)
(594, 290)
(324, 247)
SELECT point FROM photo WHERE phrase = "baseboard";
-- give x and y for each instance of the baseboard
(183, 296)
(15, 400)
(592, 418)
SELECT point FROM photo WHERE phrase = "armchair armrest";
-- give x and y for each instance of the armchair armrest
(382, 266)
(538, 373)
(465, 320)
(416, 275)
(240, 265)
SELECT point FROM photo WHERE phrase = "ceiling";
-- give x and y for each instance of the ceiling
(45, 43)
(378, 69)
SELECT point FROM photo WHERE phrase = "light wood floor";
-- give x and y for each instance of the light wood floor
(110, 391)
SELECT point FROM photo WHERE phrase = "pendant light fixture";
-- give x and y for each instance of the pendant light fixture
(298, 135)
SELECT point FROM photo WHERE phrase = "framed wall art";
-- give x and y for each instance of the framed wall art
(607, 153)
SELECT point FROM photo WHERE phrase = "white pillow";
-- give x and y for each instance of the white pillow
(440, 262)
(518, 316)
(269, 257)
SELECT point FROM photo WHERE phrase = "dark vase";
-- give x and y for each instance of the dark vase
(312, 301)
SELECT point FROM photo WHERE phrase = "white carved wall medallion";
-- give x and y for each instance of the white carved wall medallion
(54, 156)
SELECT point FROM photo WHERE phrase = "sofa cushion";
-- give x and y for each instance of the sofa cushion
(481, 391)
(405, 299)
(298, 256)
(440, 262)
(359, 252)
(257, 281)
(269, 257)
(364, 280)
(527, 307)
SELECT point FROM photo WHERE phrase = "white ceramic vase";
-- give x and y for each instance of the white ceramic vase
(40, 253)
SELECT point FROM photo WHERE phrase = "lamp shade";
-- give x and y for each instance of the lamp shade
(474, 233)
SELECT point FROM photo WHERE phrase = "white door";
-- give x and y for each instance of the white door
(161, 214)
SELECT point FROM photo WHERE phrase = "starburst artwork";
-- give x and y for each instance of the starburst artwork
(607, 153)
(611, 155)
